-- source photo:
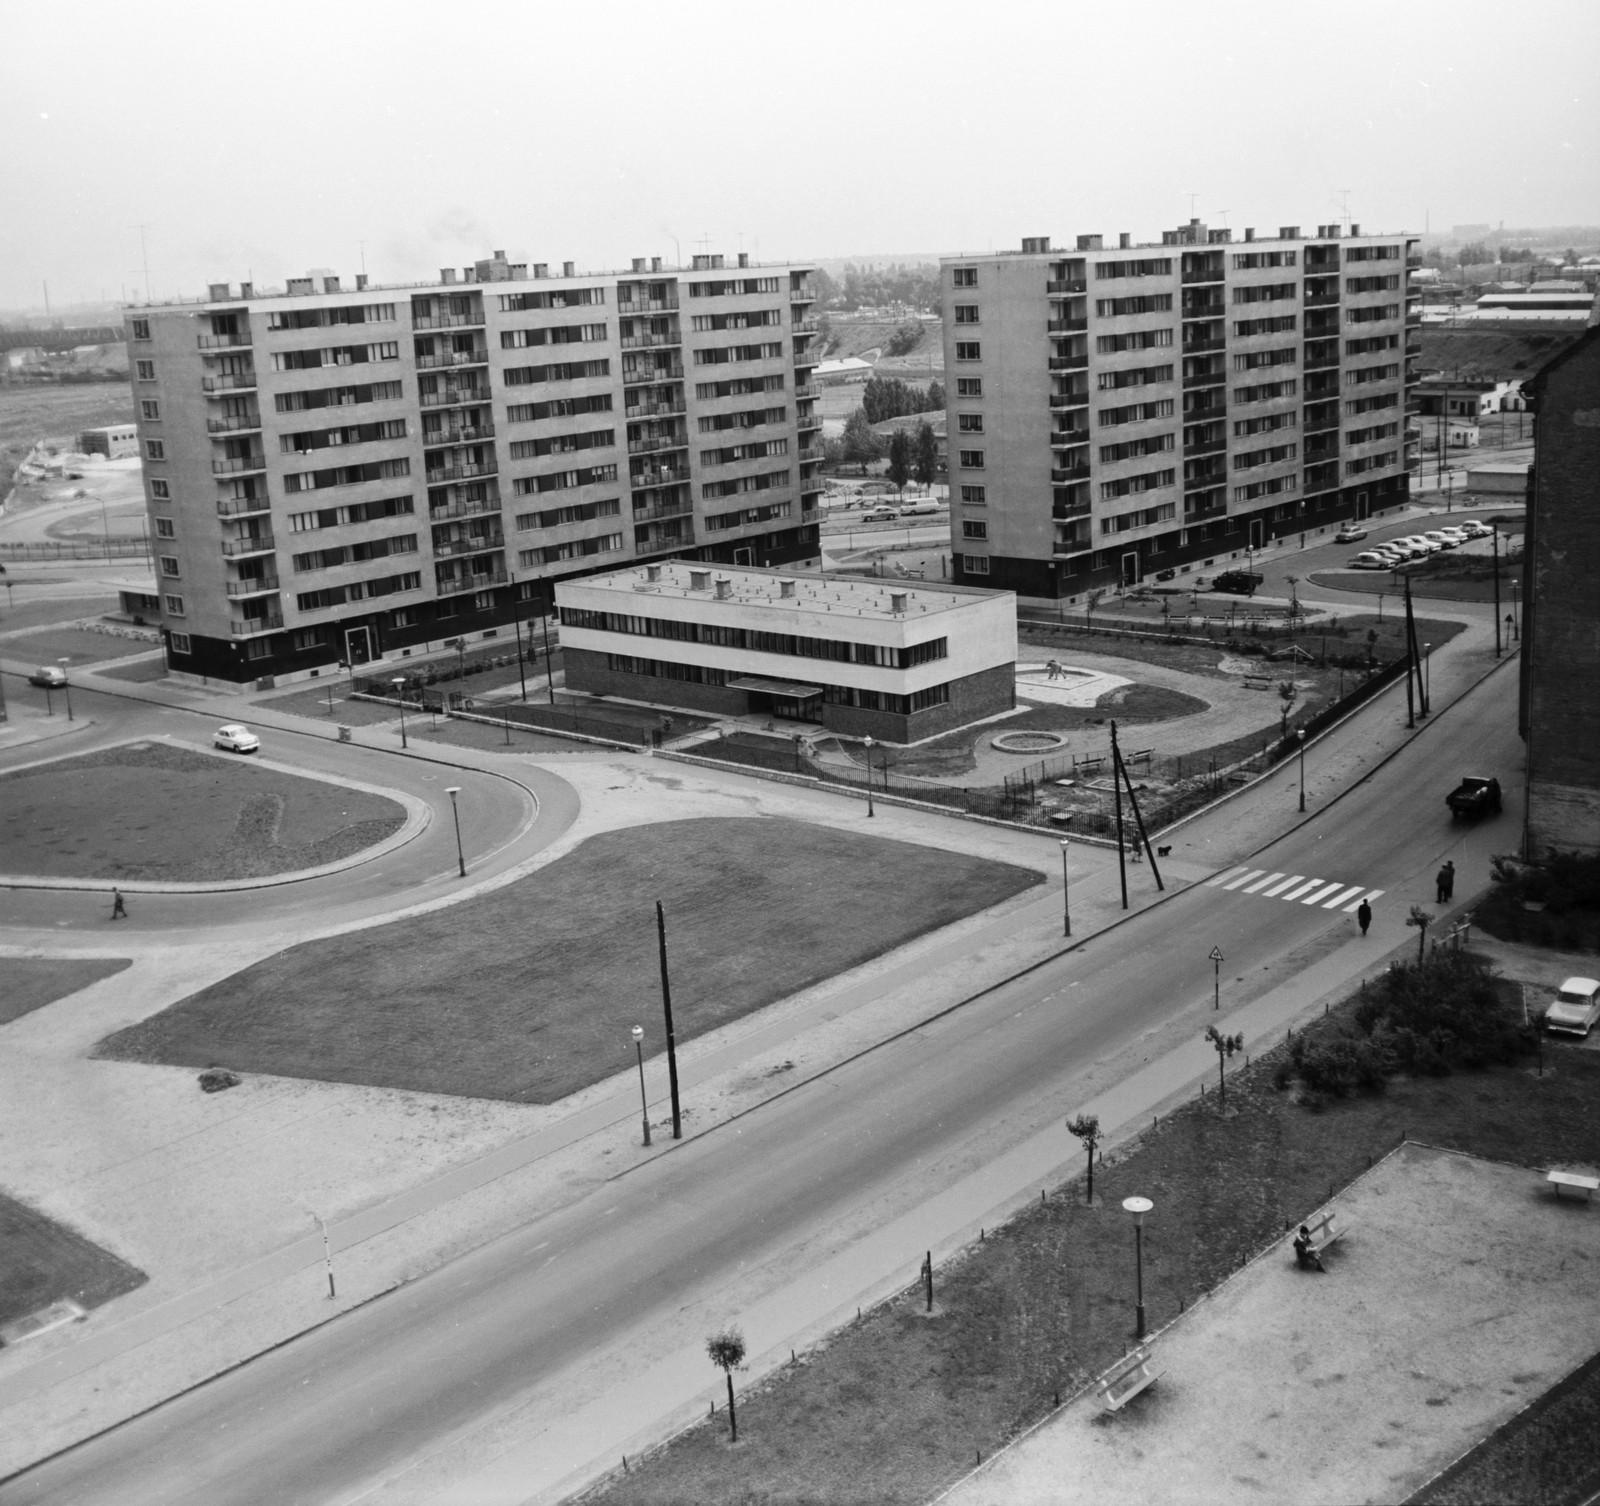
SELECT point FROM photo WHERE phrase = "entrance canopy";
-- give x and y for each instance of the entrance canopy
(777, 687)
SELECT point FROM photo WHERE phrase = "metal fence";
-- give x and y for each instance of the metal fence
(95, 549)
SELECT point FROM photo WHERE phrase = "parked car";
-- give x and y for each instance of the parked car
(50, 675)
(1400, 552)
(1237, 582)
(880, 515)
(1350, 535)
(1442, 537)
(1372, 559)
(236, 739)
(1576, 1008)
(1165, 574)
(1474, 796)
(1474, 529)
(1418, 542)
(1459, 535)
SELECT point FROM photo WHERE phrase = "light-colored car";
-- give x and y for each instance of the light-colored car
(1401, 553)
(1442, 538)
(1474, 529)
(1350, 535)
(50, 675)
(880, 515)
(1460, 535)
(1417, 541)
(1576, 1008)
(920, 506)
(1372, 560)
(236, 739)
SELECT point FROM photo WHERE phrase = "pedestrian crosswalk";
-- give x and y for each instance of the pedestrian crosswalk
(1295, 888)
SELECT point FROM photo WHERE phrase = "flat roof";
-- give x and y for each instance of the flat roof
(838, 595)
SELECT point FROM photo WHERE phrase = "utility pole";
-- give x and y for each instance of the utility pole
(1494, 544)
(1116, 789)
(672, 1038)
(549, 668)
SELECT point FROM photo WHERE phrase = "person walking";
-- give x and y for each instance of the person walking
(1444, 883)
(119, 911)
(1364, 916)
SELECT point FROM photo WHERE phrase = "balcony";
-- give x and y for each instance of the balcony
(1320, 297)
(453, 358)
(224, 342)
(233, 507)
(261, 543)
(1069, 363)
(1318, 422)
(1060, 438)
(805, 421)
(1195, 347)
(1192, 275)
(1062, 400)
(264, 586)
(462, 510)
(1320, 360)
(1067, 285)
(676, 509)
(654, 410)
(658, 442)
(459, 585)
(1206, 446)
(238, 465)
(237, 423)
(672, 536)
(1205, 379)
(243, 627)
(1413, 462)
(810, 454)
(807, 358)
(449, 321)
(1066, 326)
(1062, 511)
(463, 472)
(666, 476)
(484, 545)
(1412, 263)
(633, 376)
(1414, 321)
(650, 341)
(805, 326)
(453, 397)
(806, 389)
(802, 295)
(1070, 473)
(232, 381)
(1413, 351)
(665, 305)
(434, 438)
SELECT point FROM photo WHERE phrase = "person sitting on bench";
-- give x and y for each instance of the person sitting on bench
(1305, 1254)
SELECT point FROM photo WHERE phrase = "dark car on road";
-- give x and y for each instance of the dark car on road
(1237, 582)
(1474, 796)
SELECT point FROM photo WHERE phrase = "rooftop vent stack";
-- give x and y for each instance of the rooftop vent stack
(569, 269)
(361, 282)
(785, 588)
(700, 262)
(541, 269)
(744, 258)
(897, 603)
(724, 588)
(1091, 242)
(219, 292)
(716, 262)
(499, 256)
(1250, 232)
(519, 271)
(447, 274)
(638, 264)
(330, 284)
(1288, 232)
(655, 263)
(1355, 229)
(1035, 245)
(1124, 241)
(469, 274)
(299, 287)
(652, 572)
(247, 290)
(699, 580)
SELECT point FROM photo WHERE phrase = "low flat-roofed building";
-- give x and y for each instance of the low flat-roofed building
(114, 441)
(899, 661)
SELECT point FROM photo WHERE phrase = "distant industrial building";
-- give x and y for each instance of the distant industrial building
(1561, 613)
(114, 441)
(899, 661)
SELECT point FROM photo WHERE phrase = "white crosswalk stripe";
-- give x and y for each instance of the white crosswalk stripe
(1296, 888)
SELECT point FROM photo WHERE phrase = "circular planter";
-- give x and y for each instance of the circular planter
(1028, 742)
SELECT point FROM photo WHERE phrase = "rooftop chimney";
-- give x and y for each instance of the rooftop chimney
(897, 603)
(699, 580)
(1249, 233)
(447, 274)
(652, 572)
(655, 263)
(568, 269)
(638, 264)
(1090, 242)
(219, 292)
(785, 588)
(247, 290)
(744, 258)
(1124, 241)
(300, 287)
(724, 588)
(330, 284)
(1288, 232)
(1355, 229)
(499, 256)
(361, 282)
(1035, 245)
(541, 269)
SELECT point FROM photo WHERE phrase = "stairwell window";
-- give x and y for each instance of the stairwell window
(971, 460)
(969, 423)
(180, 643)
(966, 313)
(974, 528)
(968, 350)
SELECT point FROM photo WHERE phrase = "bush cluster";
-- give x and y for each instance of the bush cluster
(1565, 890)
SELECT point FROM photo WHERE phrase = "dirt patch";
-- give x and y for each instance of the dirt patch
(29, 983)
(528, 993)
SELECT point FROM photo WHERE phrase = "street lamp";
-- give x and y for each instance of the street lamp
(1300, 732)
(452, 791)
(66, 687)
(866, 742)
(399, 683)
(1427, 674)
(1138, 1207)
(644, 1103)
(1066, 891)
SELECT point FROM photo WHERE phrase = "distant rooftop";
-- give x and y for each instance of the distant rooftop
(843, 595)
(1195, 233)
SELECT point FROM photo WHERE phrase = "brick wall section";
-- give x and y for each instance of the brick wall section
(1561, 662)
(972, 698)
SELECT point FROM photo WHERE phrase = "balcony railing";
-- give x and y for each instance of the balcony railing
(235, 423)
(233, 507)
(648, 305)
(1205, 378)
(802, 295)
(265, 586)
(811, 453)
(1413, 262)
(459, 585)
(462, 510)
(1060, 400)
(243, 627)
(463, 472)
(806, 389)
(433, 438)
(650, 341)
(1206, 446)
(485, 545)
(1069, 363)
(1202, 274)
(1066, 326)
(262, 543)
(658, 442)
(453, 358)
(1320, 360)
(229, 381)
(811, 357)
(454, 396)
(653, 410)
(238, 464)
(1317, 298)
(805, 326)
(1060, 438)
(1414, 321)
(680, 508)
(1195, 347)
(676, 537)
(633, 376)
(1318, 423)
(1070, 473)
(448, 321)
(224, 342)
(666, 476)
(1067, 285)
(808, 421)
(1061, 512)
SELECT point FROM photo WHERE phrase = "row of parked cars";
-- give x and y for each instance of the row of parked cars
(1418, 546)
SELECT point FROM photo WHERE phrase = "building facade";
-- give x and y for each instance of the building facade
(1561, 612)
(1114, 414)
(897, 661)
(114, 441)
(340, 475)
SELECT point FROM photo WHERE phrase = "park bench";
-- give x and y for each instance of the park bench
(1255, 682)
(1560, 1179)
(1324, 1230)
(1125, 1380)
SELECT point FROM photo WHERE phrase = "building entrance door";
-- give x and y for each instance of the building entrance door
(744, 556)
(1257, 533)
(358, 645)
(1130, 568)
(1361, 506)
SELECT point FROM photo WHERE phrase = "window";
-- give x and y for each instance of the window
(1160, 266)
(971, 460)
(975, 495)
(968, 350)
(974, 528)
(965, 277)
(975, 564)
(155, 450)
(1149, 481)
(1246, 328)
(165, 529)
(403, 617)
(1137, 413)
(149, 410)
(1259, 358)
(1134, 449)
(1134, 376)
(174, 605)
(1143, 339)
(1266, 292)
(141, 329)
(970, 423)
(966, 313)
(969, 386)
(180, 643)
(146, 370)
(169, 564)
(160, 489)
(1244, 261)
(1144, 303)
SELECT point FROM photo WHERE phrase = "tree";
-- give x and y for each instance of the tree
(1294, 596)
(889, 397)
(1091, 601)
(1226, 1045)
(1474, 255)
(936, 396)
(1286, 694)
(861, 445)
(726, 1351)
(904, 340)
(927, 466)
(900, 459)
(1421, 919)
(1087, 1128)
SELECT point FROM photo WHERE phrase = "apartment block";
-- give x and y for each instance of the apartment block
(343, 475)
(1115, 414)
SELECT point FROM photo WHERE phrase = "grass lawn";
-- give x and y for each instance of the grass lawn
(151, 811)
(1452, 587)
(29, 983)
(457, 734)
(313, 704)
(42, 1261)
(28, 414)
(138, 670)
(893, 1408)
(77, 644)
(45, 609)
(528, 993)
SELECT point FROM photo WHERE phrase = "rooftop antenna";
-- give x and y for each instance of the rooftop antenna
(1191, 197)
(144, 254)
(1344, 205)
(1224, 214)
(363, 246)
(705, 243)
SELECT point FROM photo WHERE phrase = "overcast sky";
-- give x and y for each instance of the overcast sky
(268, 140)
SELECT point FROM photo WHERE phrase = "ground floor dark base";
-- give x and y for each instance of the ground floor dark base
(972, 698)
(1212, 543)
(366, 637)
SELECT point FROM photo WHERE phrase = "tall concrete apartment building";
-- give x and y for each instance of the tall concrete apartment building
(339, 474)
(1117, 413)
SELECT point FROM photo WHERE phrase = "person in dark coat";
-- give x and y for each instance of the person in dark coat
(119, 911)
(1306, 1257)
(1364, 916)
(1445, 883)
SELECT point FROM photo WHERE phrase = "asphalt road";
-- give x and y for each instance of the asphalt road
(752, 1205)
